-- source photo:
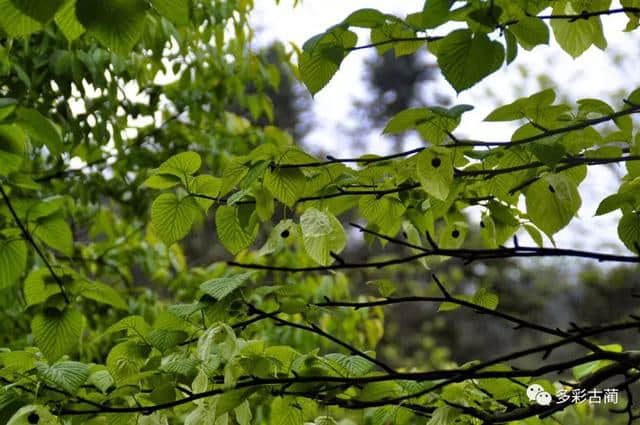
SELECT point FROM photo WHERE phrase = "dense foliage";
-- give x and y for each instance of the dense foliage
(127, 126)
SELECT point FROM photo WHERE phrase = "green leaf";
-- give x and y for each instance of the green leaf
(101, 379)
(15, 22)
(552, 201)
(55, 232)
(534, 233)
(13, 260)
(375, 391)
(385, 287)
(103, 293)
(232, 399)
(68, 375)
(162, 181)
(126, 359)
(317, 68)
(39, 286)
(12, 148)
(284, 412)
(530, 32)
(433, 124)
(237, 226)
(172, 218)
(177, 11)
(57, 332)
(435, 13)
(41, 129)
(512, 46)
(486, 299)
(435, 173)
(181, 165)
(134, 325)
(221, 287)
(322, 234)
(615, 201)
(629, 231)
(67, 21)
(466, 58)
(7, 106)
(117, 24)
(243, 413)
(354, 365)
(286, 185)
(444, 415)
(21, 417)
(322, 57)
(575, 37)
(206, 185)
(634, 20)
(525, 107)
(365, 18)
(17, 361)
(40, 10)
(164, 339)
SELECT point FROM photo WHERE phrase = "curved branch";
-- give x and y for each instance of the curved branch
(33, 243)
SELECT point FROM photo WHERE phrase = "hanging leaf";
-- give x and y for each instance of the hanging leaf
(629, 231)
(552, 201)
(55, 232)
(15, 22)
(177, 11)
(322, 234)
(40, 10)
(118, 24)
(466, 57)
(57, 332)
(172, 218)
(435, 173)
(13, 259)
(237, 226)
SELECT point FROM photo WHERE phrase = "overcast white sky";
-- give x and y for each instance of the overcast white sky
(591, 75)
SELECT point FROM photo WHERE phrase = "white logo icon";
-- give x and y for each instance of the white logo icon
(536, 393)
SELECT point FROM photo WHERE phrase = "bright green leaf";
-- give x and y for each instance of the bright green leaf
(322, 235)
(552, 201)
(172, 218)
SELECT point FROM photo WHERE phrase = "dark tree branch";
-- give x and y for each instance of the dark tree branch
(33, 243)
(316, 330)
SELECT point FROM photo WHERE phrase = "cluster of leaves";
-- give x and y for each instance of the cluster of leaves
(79, 243)
(467, 54)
